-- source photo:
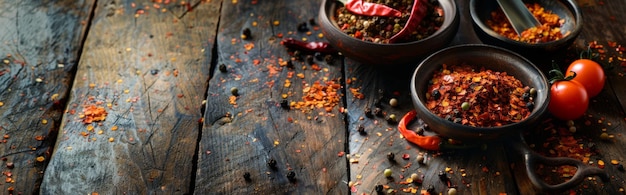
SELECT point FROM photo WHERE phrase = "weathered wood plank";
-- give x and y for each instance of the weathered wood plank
(41, 41)
(243, 138)
(147, 66)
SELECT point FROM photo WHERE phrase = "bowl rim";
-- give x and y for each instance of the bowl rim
(422, 110)
(571, 5)
(447, 23)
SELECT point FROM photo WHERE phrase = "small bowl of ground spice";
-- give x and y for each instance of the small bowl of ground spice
(478, 92)
(561, 23)
(388, 32)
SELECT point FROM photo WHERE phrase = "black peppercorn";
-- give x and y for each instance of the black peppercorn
(246, 34)
(272, 163)
(525, 96)
(379, 188)
(302, 27)
(391, 156)
(222, 68)
(435, 94)
(318, 56)
(291, 176)
(530, 105)
(246, 176)
(361, 130)
(290, 64)
(312, 22)
(154, 71)
(297, 55)
(368, 112)
(419, 131)
(378, 112)
(328, 59)
(391, 119)
(620, 167)
(443, 176)
(431, 189)
(309, 59)
(285, 104)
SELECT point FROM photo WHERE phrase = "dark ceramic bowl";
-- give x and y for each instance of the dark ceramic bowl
(387, 54)
(480, 10)
(490, 57)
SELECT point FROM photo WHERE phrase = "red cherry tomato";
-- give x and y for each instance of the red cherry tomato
(588, 73)
(568, 100)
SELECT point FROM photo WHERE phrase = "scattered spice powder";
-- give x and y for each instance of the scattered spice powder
(550, 29)
(495, 98)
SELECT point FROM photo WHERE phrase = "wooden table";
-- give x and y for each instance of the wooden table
(163, 71)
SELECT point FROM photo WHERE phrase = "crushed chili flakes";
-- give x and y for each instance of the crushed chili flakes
(93, 113)
(319, 95)
(480, 98)
(550, 29)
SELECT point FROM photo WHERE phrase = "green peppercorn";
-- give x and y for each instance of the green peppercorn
(533, 92)
(572, 129)
(604, 136)
(387, 172)
(465, 106)
(234, 91)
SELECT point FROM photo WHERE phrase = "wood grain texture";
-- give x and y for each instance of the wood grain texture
(244, 137)
(148, 67)
(40, 45)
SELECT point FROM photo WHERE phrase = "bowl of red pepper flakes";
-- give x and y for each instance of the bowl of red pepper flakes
(478, 92)
(561, 24)
(388, 32)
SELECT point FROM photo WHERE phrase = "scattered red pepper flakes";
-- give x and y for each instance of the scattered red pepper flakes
(319, 95)
(232, 100)
(249, 46)
(93, 113)
(356, 93)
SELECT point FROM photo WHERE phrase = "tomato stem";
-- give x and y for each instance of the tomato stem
(557, 74)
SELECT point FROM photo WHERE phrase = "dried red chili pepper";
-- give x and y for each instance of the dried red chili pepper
(359, 7)
(418, 12)
(426, 142)
(322, 47)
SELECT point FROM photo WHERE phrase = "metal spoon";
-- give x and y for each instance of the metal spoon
(520, 17)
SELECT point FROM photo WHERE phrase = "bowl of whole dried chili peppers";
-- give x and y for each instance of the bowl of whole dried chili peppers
(561, 22)
(388, 32)
(478, 92)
